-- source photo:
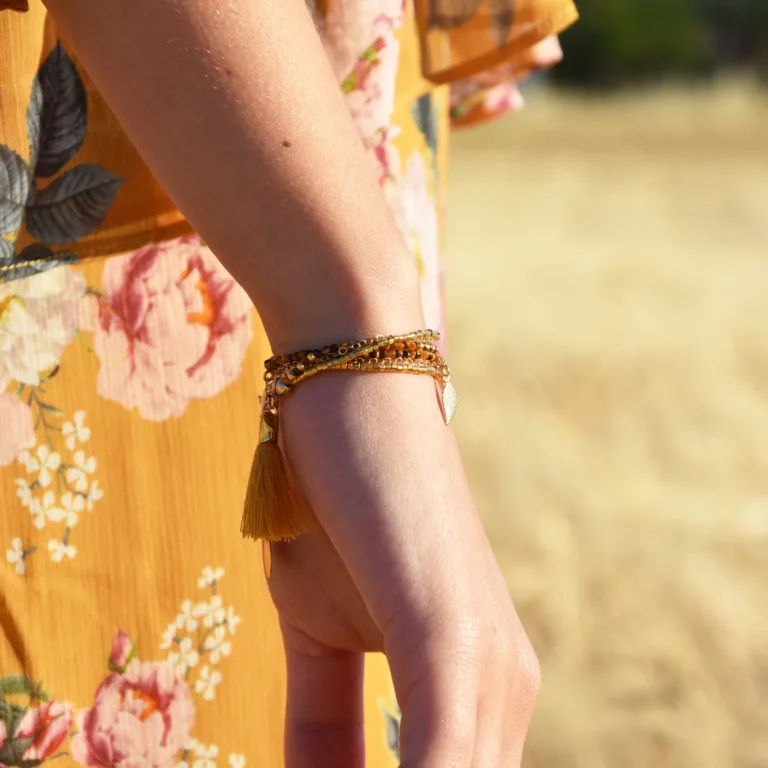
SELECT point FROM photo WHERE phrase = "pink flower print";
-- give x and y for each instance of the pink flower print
(174, 327)
(139, 719)
(370, 85)
(18, 431)
(386, 159)
(122, 653)
(416, 215)
(47, 726)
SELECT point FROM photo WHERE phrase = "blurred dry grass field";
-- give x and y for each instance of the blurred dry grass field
(609, 330)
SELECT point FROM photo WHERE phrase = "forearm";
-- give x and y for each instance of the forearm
(234, 107)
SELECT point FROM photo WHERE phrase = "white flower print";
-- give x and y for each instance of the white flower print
(28, 461)
(199, 637)
(169, 636)
(82, 467)
(59, 550)
(75, 431)
(232, 620)
(24, 492)
(217, 644)
(236, 761)
(39, 320)
(94, 494)
(207, 681)
(212, 612)
(205, 756)
(210, 577)
(187, 619)
(71, 506)
(16, 555)
(185, 658)
(43, 462)
(38, 514)
(44, 510)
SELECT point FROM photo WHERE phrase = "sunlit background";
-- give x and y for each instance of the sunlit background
(608, 252)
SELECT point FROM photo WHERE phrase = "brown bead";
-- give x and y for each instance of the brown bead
(391, 353)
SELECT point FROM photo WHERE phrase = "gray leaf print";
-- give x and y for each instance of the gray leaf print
(393, 735)
(33, 121)
(14, 190)
(63, 116)
(73, 206)
(6, 251)
(426, 120)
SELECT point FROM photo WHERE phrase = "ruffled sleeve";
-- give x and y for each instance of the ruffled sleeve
(14, 5)
(462, 38)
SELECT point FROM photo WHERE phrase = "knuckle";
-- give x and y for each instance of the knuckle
(528, 671)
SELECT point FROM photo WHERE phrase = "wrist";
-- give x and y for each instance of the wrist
(343, 304)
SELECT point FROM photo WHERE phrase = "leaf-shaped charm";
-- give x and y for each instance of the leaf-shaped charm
(449, 401)
(73, 205)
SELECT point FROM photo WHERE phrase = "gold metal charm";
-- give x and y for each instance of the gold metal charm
(449, 401)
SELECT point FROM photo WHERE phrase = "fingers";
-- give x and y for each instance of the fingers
(439, 719)
(504, 713)
(315, 595)
(324, 713)
(436, 666)
(466, 696)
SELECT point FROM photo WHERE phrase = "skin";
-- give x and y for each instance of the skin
(256, 146)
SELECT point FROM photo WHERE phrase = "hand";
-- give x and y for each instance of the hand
(402, 566)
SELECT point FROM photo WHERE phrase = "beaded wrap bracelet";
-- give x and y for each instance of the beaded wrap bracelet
(275, 506)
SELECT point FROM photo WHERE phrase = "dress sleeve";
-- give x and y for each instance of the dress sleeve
(463, 38)
(14, 5)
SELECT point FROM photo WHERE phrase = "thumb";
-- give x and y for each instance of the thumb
(324, 713)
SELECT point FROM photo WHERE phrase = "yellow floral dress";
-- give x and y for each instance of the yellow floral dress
(136, 629)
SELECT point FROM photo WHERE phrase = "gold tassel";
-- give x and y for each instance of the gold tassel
(275, 507)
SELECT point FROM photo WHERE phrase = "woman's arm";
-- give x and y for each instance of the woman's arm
(234, 107)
